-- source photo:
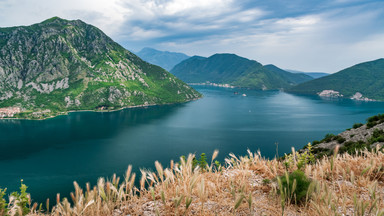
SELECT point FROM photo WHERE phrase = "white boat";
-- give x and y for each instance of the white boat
(243, 95)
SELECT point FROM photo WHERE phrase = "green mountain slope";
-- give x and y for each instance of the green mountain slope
(164, 59)
(366, 78)
(60, 65)
(289, 77)
(235, 70)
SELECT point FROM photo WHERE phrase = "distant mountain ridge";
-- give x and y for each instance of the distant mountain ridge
(235, 70)
(366, 78)
(164, 59)
(315, 75)
(60, 65)
(293, 79)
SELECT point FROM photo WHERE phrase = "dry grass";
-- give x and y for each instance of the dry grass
(344, 185)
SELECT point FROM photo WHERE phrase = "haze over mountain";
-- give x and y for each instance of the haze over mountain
(235, 70)
(60, 65)
(366, 78)
(315, 75)
(164, 59)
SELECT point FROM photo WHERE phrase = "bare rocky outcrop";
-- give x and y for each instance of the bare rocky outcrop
(358, 96)
(361, 134)
(330, 93)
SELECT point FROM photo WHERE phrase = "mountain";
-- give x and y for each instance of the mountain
(235, 70)
(291, 78)
(363, 81)
(60, 65)
(164, 59)
(314, 75)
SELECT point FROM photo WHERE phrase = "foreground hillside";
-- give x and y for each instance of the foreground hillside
(60, 65)
(236, 71)
(340, 185)
(363, 81)
(343, 183)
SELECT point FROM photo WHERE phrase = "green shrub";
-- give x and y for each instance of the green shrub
(371, 124)
(357, 125)
(328, 138)
(374, 120)
(340, 139)
(22, 198)
(203, 161)
(3, 203)
(294, 187)
(315, 142)
(351, 147)
(301, 159)
(266, 181)
(217, 165)
(377, 136)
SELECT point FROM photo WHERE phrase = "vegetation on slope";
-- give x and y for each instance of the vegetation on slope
(235, 70)
(69, 65)
(366, 78)
(293, 79)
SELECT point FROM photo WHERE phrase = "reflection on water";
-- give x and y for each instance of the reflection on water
(49, 155)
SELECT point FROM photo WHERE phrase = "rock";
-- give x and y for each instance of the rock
(330, 93)
(358, 96)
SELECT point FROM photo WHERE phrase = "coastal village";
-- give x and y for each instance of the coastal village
(9, 111)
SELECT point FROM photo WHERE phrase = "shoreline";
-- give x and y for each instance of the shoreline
(99, 111)
(329, 97)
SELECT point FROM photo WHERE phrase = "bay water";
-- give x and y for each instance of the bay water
(82, 146)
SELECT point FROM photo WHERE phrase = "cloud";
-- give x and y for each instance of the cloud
(106, 14)
(318, 35)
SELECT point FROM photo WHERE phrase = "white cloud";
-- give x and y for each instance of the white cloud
(320, 37)
(105, 14)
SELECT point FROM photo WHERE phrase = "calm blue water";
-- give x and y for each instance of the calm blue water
(49, 155)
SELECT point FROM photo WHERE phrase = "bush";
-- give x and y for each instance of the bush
(22, 198)
(294, 187)
(377, 136)
(302, 159)
(3, 203)
(357, 125)
(203, 161)
(315, 142)
(266, 181)
(328, 138)
(351, 147)
(374, 120)
(371, 124)
(340, 139)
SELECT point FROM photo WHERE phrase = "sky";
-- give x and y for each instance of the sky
(305, 35)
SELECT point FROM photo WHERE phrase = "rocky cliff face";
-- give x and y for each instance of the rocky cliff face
(61, 65)
(361, 136)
